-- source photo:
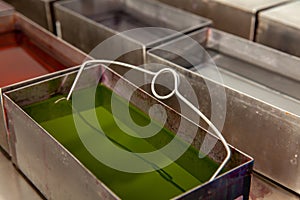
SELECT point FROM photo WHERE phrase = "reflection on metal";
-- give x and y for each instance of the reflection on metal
(62, 52)
(261, 188)
(13, 186)
(48, 164)
(5, 8)
(85, 24)
(280, 28)
(233, 16)
(39, 11)
(260, 121)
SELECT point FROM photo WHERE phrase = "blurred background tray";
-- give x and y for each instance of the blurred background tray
(279, 28)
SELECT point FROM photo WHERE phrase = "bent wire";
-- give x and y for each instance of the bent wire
(173, 92)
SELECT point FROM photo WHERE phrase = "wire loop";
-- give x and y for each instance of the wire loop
(162, 97)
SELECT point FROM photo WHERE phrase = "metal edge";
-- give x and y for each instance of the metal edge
(206, 22)
(43, 36)
(230, 89)
(8, 99)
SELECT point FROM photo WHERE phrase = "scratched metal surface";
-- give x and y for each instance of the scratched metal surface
(260, 119)
(279, 28)
(13, 186)
(42, 14)
(234, 16)
(263, 189)
(99, 20)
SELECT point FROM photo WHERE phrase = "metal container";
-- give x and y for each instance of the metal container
(5, 8)
(280, 28)
(85, 24)
(262, 188)
(260, 120)
(43, 47)
(238, 17)
(13, 184)
(39, 11)
(47, 164)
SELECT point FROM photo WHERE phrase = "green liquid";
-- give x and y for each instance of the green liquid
(184, 174)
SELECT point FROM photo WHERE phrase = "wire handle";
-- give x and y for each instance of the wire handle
(174, 91)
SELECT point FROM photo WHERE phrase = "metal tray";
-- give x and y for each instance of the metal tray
(238, 17)
(280, 28)
(85, 24)
(59, 50)
(259, 120)
(39, 11)
(47, 164)
(263, 188)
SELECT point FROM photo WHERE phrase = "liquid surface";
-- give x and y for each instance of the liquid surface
(188, 172)
(20, 59)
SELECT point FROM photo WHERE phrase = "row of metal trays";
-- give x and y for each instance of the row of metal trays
(274, 23)
(261, 112)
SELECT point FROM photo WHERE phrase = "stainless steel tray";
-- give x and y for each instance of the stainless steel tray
(58, 49)
(238, 17)
(85, 24)
(39, 11)
(260, 119)
(280, 28)
(47, 164)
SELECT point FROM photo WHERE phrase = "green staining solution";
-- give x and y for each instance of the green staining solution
(186, 173)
